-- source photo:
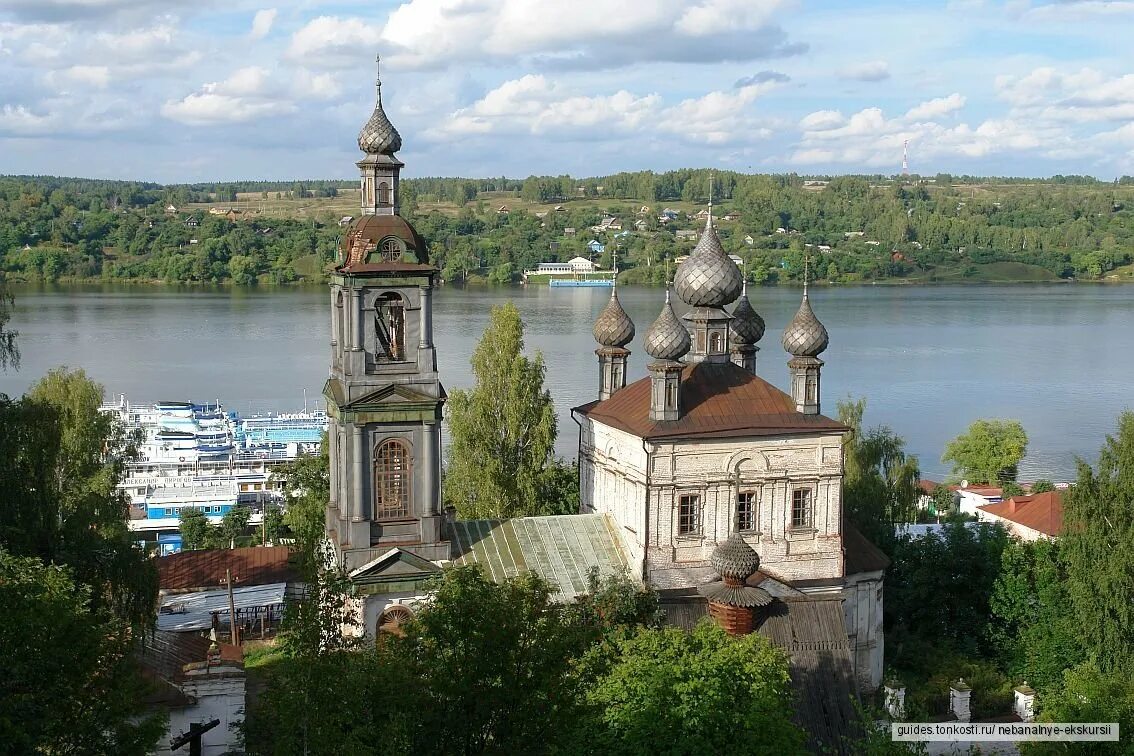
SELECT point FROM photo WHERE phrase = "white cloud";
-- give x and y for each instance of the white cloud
(332, 42)
(936, 108)
(19, 120)
(262, 23)
(247, 94)
(710, 16)
(308, 85)
(869, 138)
(1084, 96)
(872, 70)
(534, 105)
(92, 76)
(551, 34)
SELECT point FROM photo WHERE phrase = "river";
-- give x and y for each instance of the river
(929, 359)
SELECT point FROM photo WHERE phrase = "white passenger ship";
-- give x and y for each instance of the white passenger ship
(200, 456)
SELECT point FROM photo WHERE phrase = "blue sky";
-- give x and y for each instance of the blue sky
(210, 90)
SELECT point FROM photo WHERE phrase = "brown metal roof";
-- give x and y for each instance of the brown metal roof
(365, 232)
(860, 554)
(251, 565)
(1042, 512)
(720, 400)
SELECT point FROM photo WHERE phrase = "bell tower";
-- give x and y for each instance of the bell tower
(384, 397)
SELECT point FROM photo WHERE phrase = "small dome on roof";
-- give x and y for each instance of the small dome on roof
(667, 338)
(708, 277)
(746, 326)
(613, 327)
(378, 136)
(805, 336)
(735, 559)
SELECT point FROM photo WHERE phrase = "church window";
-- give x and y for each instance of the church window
(688, 514)
(671, 395)
(391, 250)
(801, 510)
(384, 194)
(391, 480)
(746, 510)
(716, 343)
(390, 328)
(615, 376)
(811, 389)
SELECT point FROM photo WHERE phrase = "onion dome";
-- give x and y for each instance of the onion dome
(708, 277)
(746, 326)
(735, 561)
(613, 327)
(667, 338)
(378, 136)
(805, 336)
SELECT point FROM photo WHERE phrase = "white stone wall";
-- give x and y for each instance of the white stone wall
(862, 606)
(641, 487)
(612, 468)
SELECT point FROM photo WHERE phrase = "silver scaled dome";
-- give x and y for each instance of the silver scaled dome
(613, 327)
(667, 338)
(708, 278)
(378, 136)
(735, 559)
(805, 336)
(746, 326)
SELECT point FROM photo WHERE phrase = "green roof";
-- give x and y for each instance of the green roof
(560, 549)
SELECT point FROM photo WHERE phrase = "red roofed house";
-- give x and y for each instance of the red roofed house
(1029, 518)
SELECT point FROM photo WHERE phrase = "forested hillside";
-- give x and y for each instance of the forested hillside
(854, 228)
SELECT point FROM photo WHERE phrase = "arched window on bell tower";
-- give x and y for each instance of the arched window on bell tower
(392, 473)
(716, 343)
(390, 328)
(384, 196)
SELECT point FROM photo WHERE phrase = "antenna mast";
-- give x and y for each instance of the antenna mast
(906, 157)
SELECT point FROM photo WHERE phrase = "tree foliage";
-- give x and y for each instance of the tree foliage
(880, 482)
(9, 350)
(1089, 694)
(988, 452)
(196, 530)
(502, 430)
(1098, 549)
(666, 691)
(939, 586)
(61, 460)
(67, 683)
(1033, 633)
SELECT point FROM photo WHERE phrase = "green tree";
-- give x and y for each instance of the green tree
(232, 525)
(989, 452)
(9, 351)
(1098, 549)
(67, 682)
(494, 663)
(307, 490)
(558, 488)
(61, 463)
(502, 430)
(880, 482)
(1042, 486)
(668, 691)
(196, 530)
(1089, 694)
(940, 586)
(1033, 633)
